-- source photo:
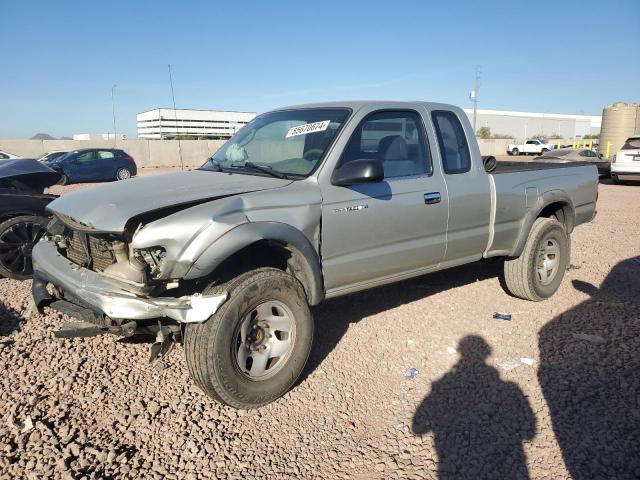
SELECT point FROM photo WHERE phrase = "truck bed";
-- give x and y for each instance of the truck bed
(519, 189)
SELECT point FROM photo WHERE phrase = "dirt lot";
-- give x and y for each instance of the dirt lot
(95, 408)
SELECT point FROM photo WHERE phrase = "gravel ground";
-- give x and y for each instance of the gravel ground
(94, 408)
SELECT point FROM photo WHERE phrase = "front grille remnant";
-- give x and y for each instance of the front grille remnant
(99, 250)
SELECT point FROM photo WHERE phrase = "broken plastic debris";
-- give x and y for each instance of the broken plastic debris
(411, 372)
(22, 427)
(527, 360)
(597, 339)
(508, 365)
(502, 316)
(451, 350)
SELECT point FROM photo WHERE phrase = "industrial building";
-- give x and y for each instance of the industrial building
(167, 123)
(523, 125)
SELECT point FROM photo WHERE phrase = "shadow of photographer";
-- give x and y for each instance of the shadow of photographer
(479, 421)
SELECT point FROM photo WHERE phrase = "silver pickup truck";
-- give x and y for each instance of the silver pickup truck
(303, 204)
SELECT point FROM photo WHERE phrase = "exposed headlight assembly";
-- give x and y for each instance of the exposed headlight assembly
(153, 257)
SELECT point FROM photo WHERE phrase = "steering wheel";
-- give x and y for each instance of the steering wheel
(311, 153)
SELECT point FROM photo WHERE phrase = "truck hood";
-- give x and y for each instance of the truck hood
(108, 208)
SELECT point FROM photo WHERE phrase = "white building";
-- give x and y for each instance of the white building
(523, 125)
(98, 136)
(167, 123)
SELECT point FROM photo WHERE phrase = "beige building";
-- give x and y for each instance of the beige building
(523, 125)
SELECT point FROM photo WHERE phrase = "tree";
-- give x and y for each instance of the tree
(484, 133)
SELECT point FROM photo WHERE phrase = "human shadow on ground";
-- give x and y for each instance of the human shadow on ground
(332, 318)
(9, 320)
(479, 421)
(592, 384)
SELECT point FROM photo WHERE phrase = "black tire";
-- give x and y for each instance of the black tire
(123, 174)
(17, 237)
(515, 152)
(544, 150)
(522, 276)
(212, 347)
(64, 180)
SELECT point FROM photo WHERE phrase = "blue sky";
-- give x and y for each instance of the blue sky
(60, 59)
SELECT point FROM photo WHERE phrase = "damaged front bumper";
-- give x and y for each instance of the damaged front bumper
(109, 297)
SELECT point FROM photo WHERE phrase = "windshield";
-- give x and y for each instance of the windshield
(50, 157)
(290, 142)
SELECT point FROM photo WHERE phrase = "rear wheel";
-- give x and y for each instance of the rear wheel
(64, 180)
(515, 152)
(537, 273)
(252, 350)
(17, 238)
(123, 174)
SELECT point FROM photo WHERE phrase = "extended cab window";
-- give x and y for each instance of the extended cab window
(454, 149)
(397, 139)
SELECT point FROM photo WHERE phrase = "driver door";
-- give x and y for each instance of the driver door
(378, 231)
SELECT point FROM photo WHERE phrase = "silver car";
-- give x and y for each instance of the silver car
(567, 155)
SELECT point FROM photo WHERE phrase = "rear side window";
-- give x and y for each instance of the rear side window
(631, 144)
(454, 149)
(587, 153)
(105, 154)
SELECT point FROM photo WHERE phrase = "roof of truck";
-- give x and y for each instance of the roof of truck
(357, 104)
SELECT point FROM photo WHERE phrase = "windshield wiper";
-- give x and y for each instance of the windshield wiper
(215, 164)
(260, 168)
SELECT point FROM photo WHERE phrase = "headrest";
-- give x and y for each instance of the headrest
(392, 148)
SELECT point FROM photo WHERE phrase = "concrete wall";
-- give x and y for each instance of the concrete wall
(147, 153)
(166, 153)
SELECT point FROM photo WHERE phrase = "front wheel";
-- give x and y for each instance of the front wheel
(537, 273)
(252, 350)
(544, 150)
(18, 235)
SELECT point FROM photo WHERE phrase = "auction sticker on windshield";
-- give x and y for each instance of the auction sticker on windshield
(308, 128)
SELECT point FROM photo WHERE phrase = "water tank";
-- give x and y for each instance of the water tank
(619, 121)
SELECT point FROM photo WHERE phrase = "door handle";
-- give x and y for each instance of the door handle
(431, 198)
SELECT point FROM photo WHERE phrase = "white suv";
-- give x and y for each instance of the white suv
(626, 163)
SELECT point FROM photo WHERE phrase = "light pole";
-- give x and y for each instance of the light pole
(473, 96)
(113, 108)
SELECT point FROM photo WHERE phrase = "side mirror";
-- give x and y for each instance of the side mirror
(489, 163)
(366, 170)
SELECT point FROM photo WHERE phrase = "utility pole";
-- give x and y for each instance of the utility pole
(113, 108)
(473, 96)
(175, 118)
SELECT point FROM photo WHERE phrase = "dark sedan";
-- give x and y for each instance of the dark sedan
(566, 155)
(94, 165)
(23, 219)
